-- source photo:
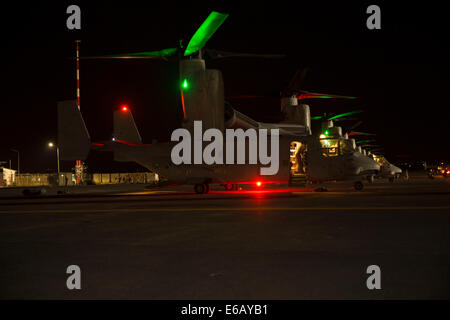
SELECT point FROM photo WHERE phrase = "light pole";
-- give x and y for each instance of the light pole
(18, 160)
(51, 145)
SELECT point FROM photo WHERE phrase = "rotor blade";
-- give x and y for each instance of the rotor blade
(297, 80)
(216, 54)
(345, 119)
(312, 95)
(246, 97)
(205, 32)
(370, 146)
(355, 133)
(365, 141)
(345, 114)
(355, 125)
(160, 54)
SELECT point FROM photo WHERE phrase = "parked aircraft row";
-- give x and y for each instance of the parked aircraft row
(303, 157)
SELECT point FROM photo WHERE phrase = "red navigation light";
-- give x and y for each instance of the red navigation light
(258, 183)
(124, 108)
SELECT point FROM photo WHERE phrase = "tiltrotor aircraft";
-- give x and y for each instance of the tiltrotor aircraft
(387, 169)
(300, 155)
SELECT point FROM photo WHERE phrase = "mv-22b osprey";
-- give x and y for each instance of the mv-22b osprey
(202, 97)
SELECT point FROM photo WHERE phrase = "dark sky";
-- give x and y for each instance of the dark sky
(400, 73)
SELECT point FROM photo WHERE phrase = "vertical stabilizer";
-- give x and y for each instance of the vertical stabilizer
(73, 138)
(124, 126)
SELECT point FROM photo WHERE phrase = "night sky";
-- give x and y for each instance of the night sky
(400, 73)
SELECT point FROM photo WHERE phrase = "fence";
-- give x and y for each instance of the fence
(119, 178)
(68, 179)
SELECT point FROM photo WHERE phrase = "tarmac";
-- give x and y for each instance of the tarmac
(273, 242)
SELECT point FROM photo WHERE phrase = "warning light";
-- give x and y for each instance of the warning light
(322, 136)
(326, 132)
(258, 183)
(124, 108)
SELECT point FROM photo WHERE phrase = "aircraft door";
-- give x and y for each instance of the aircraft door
(298, 163)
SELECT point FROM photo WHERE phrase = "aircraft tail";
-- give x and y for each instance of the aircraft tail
(74, 141)
(125, 128)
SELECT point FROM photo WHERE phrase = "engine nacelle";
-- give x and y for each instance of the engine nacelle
(335, 132)
(296, 113)
(203, 96)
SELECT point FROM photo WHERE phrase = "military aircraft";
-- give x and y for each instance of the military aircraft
(387, 169)
(304, 157)
(300, 155)
(329, 164)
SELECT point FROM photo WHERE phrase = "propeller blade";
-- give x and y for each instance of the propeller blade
(355, 133)
(161, 54)
(216, 54)
(345, 114)
(205, 32)
(312, 95)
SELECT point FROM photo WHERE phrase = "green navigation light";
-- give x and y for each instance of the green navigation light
(185, 84)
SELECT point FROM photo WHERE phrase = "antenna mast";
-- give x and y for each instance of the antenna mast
(78, 72)
(78, 163)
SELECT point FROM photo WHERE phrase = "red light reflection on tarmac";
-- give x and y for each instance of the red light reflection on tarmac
(261, 193)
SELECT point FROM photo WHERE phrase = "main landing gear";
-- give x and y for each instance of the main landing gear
(358, 185)
(202, 188)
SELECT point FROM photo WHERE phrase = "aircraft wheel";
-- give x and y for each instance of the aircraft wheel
(358, 185)
(207, 188)
(200, 188)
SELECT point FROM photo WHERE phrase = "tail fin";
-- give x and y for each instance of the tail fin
(125, 128)
(73, 138)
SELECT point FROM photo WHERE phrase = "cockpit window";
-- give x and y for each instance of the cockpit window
(330, 147)
(335, 147)
(381, 160)
(346, 146)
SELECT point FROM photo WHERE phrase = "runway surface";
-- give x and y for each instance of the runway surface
(270, 243)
